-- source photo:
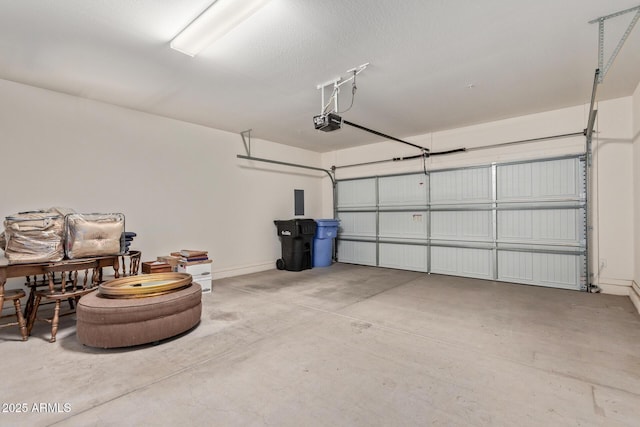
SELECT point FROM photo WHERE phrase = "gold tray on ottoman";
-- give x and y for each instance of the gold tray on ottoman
(146, 285)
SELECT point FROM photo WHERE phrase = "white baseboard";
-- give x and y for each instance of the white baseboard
(622, 287)
(634, 294)
(615, 286)
(245, 269)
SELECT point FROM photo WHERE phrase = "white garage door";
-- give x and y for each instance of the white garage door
(519, 222)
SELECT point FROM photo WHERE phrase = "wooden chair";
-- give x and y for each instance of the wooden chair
(76, 279)
(15, 295)
(36, 282)
(128, 265)
(134, 263)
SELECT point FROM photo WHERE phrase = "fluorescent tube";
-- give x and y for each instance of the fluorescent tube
(213, 23)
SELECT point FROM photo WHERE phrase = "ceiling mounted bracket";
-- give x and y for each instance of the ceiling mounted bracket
(335, 84)
(246, 140)
(601, 65)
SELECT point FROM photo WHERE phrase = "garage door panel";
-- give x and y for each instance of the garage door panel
(358, 224)
(404, 257)
(555, 178)
(539, 180)
(444, 260)
(466, 262)
(403, 225)
(515, 266)
(363, 253)
(559, 270)
(444, 225)
(541, 225)
(461, 225)
(546, 269)
(476, 184)
(461, 185)
(403, 190)
(476, 263)
(358, 193)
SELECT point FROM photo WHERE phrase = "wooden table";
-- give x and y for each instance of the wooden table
(8, 271)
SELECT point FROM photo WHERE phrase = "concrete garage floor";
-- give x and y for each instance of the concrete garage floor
(348, 345)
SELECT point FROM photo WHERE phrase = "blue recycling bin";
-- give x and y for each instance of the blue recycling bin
(326, 231)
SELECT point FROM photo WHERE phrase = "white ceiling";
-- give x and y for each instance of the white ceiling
(522, 57)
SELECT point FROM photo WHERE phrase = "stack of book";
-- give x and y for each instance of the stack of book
(190, 255)
(198, 265)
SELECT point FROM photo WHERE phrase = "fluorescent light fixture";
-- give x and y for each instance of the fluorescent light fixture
(213, 23)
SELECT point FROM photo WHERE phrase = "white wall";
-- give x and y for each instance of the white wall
(613, 192)
(635, 295)
(613, 168)
(179, 185)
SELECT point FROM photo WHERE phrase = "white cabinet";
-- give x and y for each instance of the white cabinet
(200, 272)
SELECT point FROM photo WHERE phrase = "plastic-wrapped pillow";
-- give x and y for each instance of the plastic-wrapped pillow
(91, 235)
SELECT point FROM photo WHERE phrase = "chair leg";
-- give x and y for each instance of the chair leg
(54, 321)
(30, 300)
(21, 322)
(32, 314)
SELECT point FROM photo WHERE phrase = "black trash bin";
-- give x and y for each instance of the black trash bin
(297, 244)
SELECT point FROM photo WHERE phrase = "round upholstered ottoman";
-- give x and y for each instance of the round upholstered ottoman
(119, 322)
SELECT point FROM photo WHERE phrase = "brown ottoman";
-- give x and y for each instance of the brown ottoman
(108, 323)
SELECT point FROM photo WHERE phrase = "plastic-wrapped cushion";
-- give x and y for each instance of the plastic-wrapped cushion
(90, 235)
(36, 236)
